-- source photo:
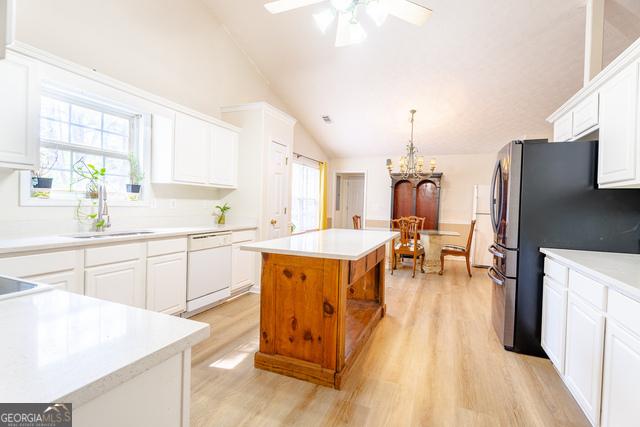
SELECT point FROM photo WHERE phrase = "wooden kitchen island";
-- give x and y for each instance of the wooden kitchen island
(322, 294)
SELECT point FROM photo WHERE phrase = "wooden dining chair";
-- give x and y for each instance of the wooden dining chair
(357, 222)
(456, 250)
(409, 242)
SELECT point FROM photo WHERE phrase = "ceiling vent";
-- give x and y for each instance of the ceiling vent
(327, 119)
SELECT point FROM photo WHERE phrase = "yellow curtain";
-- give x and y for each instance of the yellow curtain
(323, 195)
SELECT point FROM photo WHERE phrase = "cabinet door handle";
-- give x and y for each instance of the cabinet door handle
(494, 278)
(274, 222)
(495, 251)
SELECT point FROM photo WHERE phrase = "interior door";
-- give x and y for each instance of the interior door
(354, 199)
(277, 194)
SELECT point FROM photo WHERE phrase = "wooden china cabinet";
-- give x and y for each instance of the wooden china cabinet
(419, 197)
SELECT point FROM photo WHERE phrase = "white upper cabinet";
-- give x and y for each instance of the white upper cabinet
(224, 158)
(610, 105)
(193, 137)
(618, 158)
(19, 113)
(7, 24)
(189, 150)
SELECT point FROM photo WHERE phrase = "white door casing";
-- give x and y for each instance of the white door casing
(277, 191)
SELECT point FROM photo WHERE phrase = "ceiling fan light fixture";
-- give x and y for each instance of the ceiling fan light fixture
(342, 5)
(324, 19)
(378, 10)
(349, 31)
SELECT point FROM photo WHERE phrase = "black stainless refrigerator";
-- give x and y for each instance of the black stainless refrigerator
(546, 195)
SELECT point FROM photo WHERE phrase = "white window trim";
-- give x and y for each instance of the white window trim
(305, 161)
(144, 139)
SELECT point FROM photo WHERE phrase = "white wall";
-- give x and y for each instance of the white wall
(460, 174)
(174, 49)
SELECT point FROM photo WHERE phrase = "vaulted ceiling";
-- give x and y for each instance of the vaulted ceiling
(480, 73)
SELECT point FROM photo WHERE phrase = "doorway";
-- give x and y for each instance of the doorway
(349, 199)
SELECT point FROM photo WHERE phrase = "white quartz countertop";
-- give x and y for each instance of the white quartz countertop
(27, 244)
(334, 243)
(621, 271)
(62, 347)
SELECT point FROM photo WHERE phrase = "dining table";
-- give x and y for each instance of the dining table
(432, 241)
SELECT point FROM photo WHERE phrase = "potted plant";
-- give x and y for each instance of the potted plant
(41, 183)
(136, 177)
(222, 211)
(93, 175)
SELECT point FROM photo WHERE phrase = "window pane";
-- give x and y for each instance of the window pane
(116, 125)
(86, 117)
(96, 161)
(55, 131)
(117, 166)
(85, 136)
(115, 142)
(54, 109)
(61, 180)
(51, 158)
(116, 184)
(305, 206)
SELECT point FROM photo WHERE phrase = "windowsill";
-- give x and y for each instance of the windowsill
(31, 202)
(27, 201)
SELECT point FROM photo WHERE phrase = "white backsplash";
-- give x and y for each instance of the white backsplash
(169, 206)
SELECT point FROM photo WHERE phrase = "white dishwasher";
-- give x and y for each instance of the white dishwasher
(208, 271)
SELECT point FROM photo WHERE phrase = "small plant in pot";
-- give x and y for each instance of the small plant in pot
(41, 183)
(136, 177)
(222, 212)
(90, 173)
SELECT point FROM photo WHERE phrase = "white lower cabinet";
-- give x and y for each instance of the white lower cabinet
(584, 351)
(554, 321)
(167, 283)
(243, 263)
(121, 282)
(620, 397)
(64, 281)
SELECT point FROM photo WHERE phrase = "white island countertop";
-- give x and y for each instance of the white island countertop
(621, 271)
(334, 243)
(58, 346)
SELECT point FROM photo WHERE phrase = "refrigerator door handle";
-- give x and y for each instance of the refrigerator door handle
(494, 201)
(494, 277)
(496, 252)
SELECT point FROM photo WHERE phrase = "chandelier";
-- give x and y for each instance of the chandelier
(412, 164)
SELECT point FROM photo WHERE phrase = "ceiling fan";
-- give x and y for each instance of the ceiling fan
(349, 30)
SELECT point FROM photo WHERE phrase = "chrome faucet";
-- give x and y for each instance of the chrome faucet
(103, 220)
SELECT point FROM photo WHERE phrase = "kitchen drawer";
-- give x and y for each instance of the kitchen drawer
(167, 246)
(39, 264)
(243, 236)
(372, 260)
(585, 116)
(588, 289)
(624, 310)
(556, 271)
(112, 254)
(381, 252)
(357, 269)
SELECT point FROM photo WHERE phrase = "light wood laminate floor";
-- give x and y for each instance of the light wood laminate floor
(434, 360)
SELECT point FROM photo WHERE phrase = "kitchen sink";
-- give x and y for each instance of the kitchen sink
(101, 235)
(11, 287)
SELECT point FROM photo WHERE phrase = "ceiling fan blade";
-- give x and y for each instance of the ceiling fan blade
(280, 6)
(409, 11)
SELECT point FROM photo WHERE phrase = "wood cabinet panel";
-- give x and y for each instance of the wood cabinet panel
(167, 283)
(357, 269)
(427, 204)
(403, 199)
(554, 322)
